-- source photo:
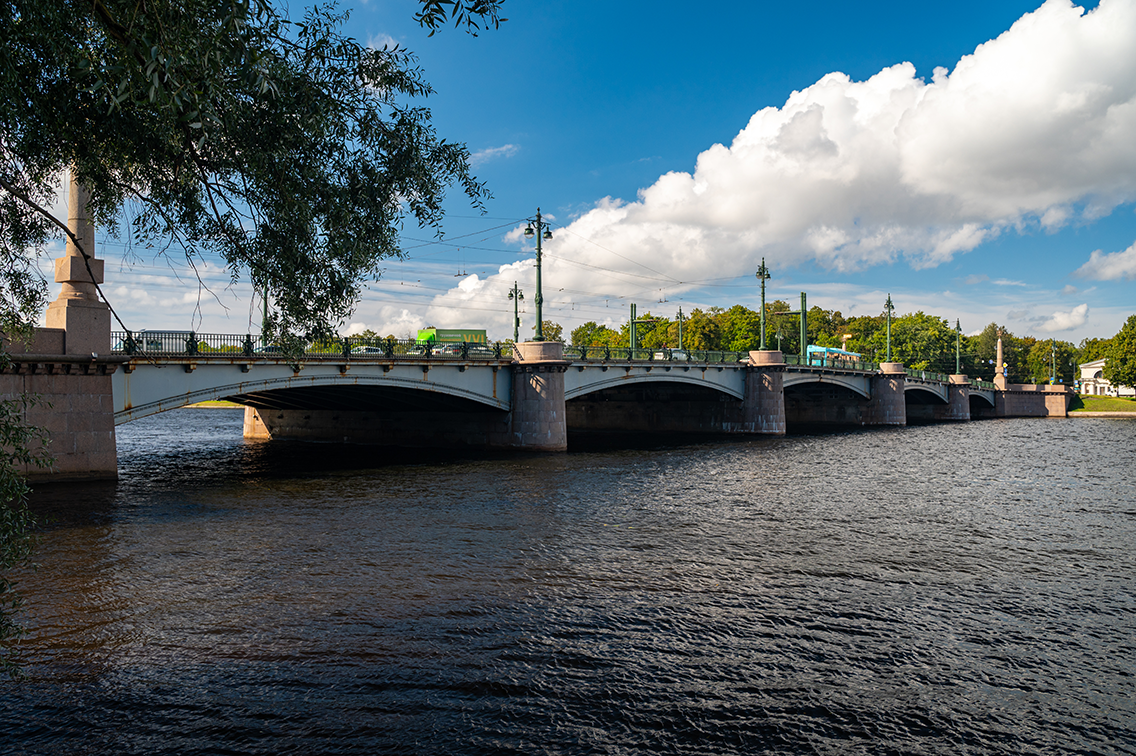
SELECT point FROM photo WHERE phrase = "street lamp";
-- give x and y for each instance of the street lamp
(763, 276)
(540, 232)
(889, 308)
(958, 340)
(516, 295)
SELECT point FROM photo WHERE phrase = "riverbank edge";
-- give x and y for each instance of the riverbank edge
(1130, 415)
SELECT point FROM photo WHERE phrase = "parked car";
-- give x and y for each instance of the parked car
(368, 350)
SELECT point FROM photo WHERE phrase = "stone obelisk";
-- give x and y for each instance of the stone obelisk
(78, 309)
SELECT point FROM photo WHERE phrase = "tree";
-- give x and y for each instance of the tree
(288, 150)
(552, 331)
(701, 331)
(1049, 356)
(919, 341)
(1091, 349)
(1120, 358)
(592, 335)
(740, 328)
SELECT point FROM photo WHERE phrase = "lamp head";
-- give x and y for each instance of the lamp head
(529, 232)
(547, 234)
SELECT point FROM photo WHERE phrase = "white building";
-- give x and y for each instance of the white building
(1094, 384)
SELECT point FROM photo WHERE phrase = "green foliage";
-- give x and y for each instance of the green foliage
(1052, 357)
(919, 341)
(1120, 368)
(702, 330)
(287, 149)
(1091, 349)
(552, 331)
(740, 329)
(592, 335)
(468, 12)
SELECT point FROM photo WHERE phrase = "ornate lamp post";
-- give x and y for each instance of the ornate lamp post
(516, 295)
(958, 343)
(763, 276)
(540, 232)
(1052, 362)
(888, 309)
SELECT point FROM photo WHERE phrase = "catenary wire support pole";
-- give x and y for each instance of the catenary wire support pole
(763, 276)
(888, 309)
(680, 328)
(540, 232)
(804, 327)
(516, 295)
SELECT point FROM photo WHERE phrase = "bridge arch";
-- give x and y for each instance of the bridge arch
(857, 384)
(922, 392)
(619, 380)
(212, 385)
(987, 398)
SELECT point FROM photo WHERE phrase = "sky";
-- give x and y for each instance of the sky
(974, 160)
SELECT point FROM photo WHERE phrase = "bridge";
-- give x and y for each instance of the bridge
(527, 397)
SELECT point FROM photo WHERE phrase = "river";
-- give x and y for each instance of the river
(943, 589)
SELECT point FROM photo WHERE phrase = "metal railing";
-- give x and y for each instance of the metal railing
(927, 375)
(831, 361)
(626, 354)
(988, 385)
(230, 346)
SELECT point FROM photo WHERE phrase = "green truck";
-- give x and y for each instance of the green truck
(451, 336)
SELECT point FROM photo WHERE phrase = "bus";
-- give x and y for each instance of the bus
(821, 354)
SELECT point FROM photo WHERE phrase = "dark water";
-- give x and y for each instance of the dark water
(964, 589)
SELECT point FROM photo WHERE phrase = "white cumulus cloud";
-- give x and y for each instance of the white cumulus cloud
(1033, 129)
(1066, 321)
(1113, 267)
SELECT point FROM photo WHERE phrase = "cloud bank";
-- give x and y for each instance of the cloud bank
(1034, 129)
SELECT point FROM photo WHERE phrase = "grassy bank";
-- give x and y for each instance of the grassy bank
(1103, 404)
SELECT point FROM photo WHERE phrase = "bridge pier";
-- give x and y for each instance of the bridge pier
(958, 392)
(68, 365)
(538, 420)
(763, 409)
(887, 405)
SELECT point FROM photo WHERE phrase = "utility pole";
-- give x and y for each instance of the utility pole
(541, 232)
(763, 276)
(680, 328)
(632, 341)
(516, 295)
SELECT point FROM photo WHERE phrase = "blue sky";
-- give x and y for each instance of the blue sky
(978, 193)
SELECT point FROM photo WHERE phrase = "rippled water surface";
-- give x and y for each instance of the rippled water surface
(927, 590)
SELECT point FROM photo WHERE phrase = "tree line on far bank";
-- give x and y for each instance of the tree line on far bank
(918, 340)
